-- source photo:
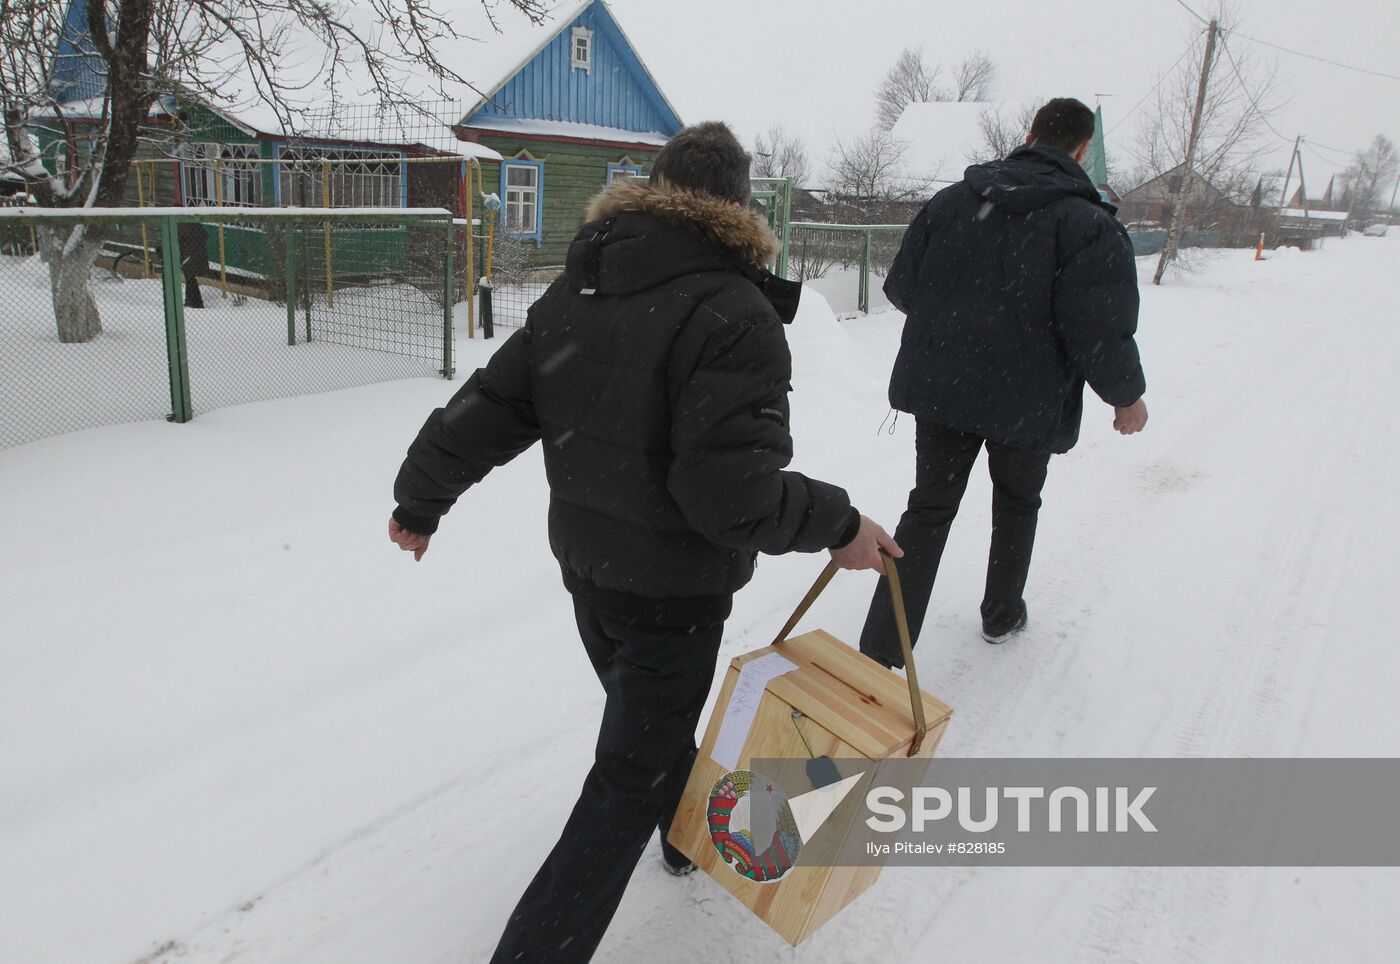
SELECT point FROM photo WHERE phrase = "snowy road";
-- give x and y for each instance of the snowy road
(235, 725)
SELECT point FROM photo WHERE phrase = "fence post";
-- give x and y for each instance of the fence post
(786, 236)
(330, 256)
(145, 238)
(219, 202)
(176, 355)
(864, 299)
(291, 268)
(470, 254)
(447, 299)
(307, 295)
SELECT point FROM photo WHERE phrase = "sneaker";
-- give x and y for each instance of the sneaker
(676, 863)
(1000, 637)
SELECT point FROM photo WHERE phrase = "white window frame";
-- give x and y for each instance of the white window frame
(519, 197)
(202, 164)
(581, 49)
(377, 181)
(624, 168)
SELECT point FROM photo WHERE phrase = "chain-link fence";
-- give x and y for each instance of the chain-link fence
(516, 280)
(119, 315)
(847, 263)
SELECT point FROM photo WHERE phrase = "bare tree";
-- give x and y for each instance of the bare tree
(869, 177)
(1003, 130)
(780, 154)
(1234, 136)
(281, 53)
(912, 80)
(972, 79)
(1372, 171)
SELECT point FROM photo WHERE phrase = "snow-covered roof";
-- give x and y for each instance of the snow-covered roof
(491, 45)
(483, 56)
(513, 125)
(943, 137)
(1301, 213)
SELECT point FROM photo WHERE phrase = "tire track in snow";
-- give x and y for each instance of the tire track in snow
(1239, 709)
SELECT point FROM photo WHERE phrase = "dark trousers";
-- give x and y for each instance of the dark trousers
(193, 298)
(944, 462)
(656, 683)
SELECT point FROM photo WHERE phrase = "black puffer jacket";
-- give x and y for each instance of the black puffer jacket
(656, 371)
(1019, 285)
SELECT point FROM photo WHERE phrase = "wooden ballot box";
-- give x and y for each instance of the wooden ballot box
(809, 698)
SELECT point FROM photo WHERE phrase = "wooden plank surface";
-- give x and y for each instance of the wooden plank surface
(852, 706)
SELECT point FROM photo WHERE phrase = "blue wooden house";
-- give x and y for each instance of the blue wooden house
(576, 110)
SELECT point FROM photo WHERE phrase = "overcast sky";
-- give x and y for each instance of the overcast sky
(813, 64)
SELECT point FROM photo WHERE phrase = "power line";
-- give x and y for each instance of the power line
(1321, 60)
(1324, 159)
(1244, 86)
(1155, 87)
(1336, 150)
(1183, 6)
(1289, 50)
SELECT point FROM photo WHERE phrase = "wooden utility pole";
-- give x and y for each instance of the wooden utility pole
(1283, 199)
(1179, 209)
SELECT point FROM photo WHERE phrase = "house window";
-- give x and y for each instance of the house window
(220, 172)
(623, 168)
(1174, 184)
(357, 177)
(522, 183)
(582, 47)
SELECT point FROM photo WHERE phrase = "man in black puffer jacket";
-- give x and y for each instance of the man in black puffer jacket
(1019, 286)
(656, 372)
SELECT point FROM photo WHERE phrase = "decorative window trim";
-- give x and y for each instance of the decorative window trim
(625, 167)
(199, 169)
(581, 54)
(380, 180)
(523, 160)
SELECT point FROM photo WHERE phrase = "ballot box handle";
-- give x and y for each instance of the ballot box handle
(901, 622)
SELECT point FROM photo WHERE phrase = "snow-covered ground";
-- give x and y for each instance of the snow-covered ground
(841, 289)
(237, 349)
(237, 725)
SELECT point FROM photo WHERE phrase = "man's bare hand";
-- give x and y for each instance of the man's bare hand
(408, 541)
(1130, 419)
(863, 552)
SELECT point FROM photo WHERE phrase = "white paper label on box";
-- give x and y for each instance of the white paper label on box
(743, 706)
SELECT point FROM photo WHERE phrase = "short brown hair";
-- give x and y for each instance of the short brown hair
(706, 158)
(1064, 123)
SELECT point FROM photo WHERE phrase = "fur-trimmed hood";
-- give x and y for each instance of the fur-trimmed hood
(742, 231)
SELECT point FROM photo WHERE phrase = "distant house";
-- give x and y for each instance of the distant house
(1305, 218)
(1151, 201)
(1210, 218)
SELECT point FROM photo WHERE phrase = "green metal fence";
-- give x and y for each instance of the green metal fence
(110, 316)
(847, 263)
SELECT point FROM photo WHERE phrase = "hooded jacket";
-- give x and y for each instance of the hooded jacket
(656, 371)
(1019, 285)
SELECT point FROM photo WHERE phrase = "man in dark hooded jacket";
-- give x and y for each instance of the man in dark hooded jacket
(656, 372)
(1019, 286)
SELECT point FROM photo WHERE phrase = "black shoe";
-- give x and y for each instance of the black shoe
(996, 635)
(676, 863)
